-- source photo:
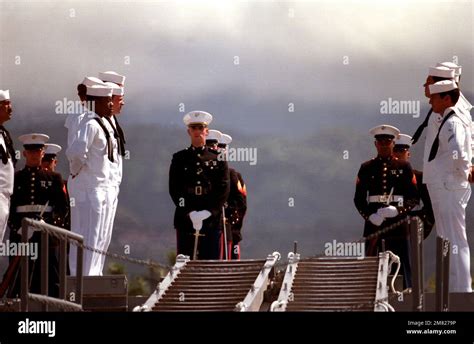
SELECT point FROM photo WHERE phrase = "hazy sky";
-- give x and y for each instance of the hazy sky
(335, 60)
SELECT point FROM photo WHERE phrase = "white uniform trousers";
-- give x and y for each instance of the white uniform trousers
(88, 211)
(4, 212)
(449, 206)
(105, 235)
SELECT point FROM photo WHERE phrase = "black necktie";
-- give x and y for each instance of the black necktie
(419, 131)
(10, 152)
(434, 147)
(3, 155)
(110, 152)
(122, 136)
(118, 134)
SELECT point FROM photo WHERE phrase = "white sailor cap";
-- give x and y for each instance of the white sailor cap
(384, 130)
(4, 95)
(197, 117)
(214, 136)
(225, 140)
(52, 149)
(33, 141)
(457, 69)
(403, 141)
(441, 72)
(92, 80)
(116, 89)
(99, 91)
(112, 77)
(451, 65)
(443, 86)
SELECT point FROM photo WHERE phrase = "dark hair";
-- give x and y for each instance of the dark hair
(93, 98)
(81, 90)
(49, 157)
(453, 94)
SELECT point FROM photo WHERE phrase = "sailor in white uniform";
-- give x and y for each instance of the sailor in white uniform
(73, 120)
(446, 174)
(92, 156)
(463, 104)
(116, 82)
(433, 120)
(7, 161)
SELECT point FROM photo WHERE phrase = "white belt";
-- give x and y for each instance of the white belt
(33, 208)
(385, 198)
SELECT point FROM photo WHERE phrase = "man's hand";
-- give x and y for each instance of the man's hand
(376, 219)
(388, 212)
(197, 217)
(30, 232)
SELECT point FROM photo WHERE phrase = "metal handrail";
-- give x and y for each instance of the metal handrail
(63, 235)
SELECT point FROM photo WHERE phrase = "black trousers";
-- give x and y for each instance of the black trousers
(209, 245)
(34, 271)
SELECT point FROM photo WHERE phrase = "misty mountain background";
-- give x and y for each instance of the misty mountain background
(249, 64)
(311, 170)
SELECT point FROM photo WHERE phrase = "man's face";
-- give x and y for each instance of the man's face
(33, 157)
(213, 146)
(384, 146)
(440, 104)
(118, 104)
(49, 165)
(5, 111)
(198, 134)
(429, 81)
(104, 106)
(402, 154)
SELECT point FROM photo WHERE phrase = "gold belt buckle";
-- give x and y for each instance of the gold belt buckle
(198, 190)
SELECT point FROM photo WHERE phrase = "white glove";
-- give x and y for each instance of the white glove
(197, 217)
(388, 212)
(376, 219)
(30, 231)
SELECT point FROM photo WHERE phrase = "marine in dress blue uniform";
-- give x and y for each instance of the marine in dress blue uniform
(198, 181)
(385, 193)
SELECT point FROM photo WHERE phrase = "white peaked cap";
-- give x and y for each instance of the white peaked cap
(197, 117)
(214, 135)
(385, 129)
(33, 139)
(99, 91)
(112, 77)
(225, 139)
(116, 89)
(443, 86)
(403, 140)
(441, 72)
(4, 95)
(52, 148)
(92, 80)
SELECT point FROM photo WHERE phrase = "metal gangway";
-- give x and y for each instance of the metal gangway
(212, 285)
(336, 284)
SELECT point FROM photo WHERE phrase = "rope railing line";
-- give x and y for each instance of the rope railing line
(58, 303)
